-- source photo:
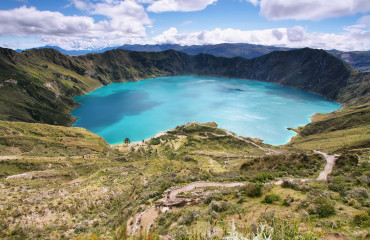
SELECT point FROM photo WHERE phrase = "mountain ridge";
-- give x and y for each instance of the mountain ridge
(43, 81)
(356, 59)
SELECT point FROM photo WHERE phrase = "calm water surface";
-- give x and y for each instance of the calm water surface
(139, 110)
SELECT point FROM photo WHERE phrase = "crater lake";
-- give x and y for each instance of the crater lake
(139, 110)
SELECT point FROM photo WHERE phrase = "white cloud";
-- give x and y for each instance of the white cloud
(254, 2)
(125, 22)
(295, 34)
(80, 4)
(179, 5)
(126, 16)
(277, 34)
(30, 21)
(365, 20)
(311, 9)
(353, 39)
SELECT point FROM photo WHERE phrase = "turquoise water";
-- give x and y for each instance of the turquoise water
(139, 110)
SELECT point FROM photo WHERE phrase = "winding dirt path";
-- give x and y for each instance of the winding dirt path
(191, 186)
(330, 162)
(145, 219)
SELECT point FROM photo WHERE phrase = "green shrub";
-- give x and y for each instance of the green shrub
(287, 201)
(253, 190)
(267, 217)
(358, 193)
(155, 141)
(215, 196)
(290, 184)
(189, 217)
(346, 160)
(270, 198)
(219, 206)
(190, 159)
(337, 185)
(235, 208)
(324, 207)
(262, 177)
(361, 219)
(180, 232)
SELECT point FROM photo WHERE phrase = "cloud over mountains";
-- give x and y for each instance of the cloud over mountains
(127, 22)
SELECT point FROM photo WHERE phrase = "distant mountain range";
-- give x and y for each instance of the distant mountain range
(359, 60)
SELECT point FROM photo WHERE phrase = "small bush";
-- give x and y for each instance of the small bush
(267, 217)
(190, 159)
(155, 141)
(358, 193)
(219, 206)
(180, 232)
(215, 196)
(346, 160)
(337, 185)
(189, 217)
(354, 203)
(361, 219)
(253, 190)
(290, 184)
(324, 207)
(270, 198)
(262, 177)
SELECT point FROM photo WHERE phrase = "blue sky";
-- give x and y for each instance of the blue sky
(87, 24)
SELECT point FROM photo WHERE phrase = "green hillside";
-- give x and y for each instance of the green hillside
(337, 132)
(59, 182)
(94, 194)
(38, 85)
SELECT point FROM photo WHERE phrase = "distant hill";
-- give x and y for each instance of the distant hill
(220, 50)
(359, 60)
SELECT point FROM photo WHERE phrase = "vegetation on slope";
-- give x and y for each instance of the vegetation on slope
(25, 139)
(38, 85)
(344, 130)
(96, 196)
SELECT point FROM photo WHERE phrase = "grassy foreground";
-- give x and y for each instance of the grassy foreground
(65, 183)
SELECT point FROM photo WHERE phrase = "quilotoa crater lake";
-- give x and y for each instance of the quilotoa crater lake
(249, 108)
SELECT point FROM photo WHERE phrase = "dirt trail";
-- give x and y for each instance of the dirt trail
(145, 219)
(18, 157)
(30, 175)
(190, 187)
(330, 162)
(247, 141)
